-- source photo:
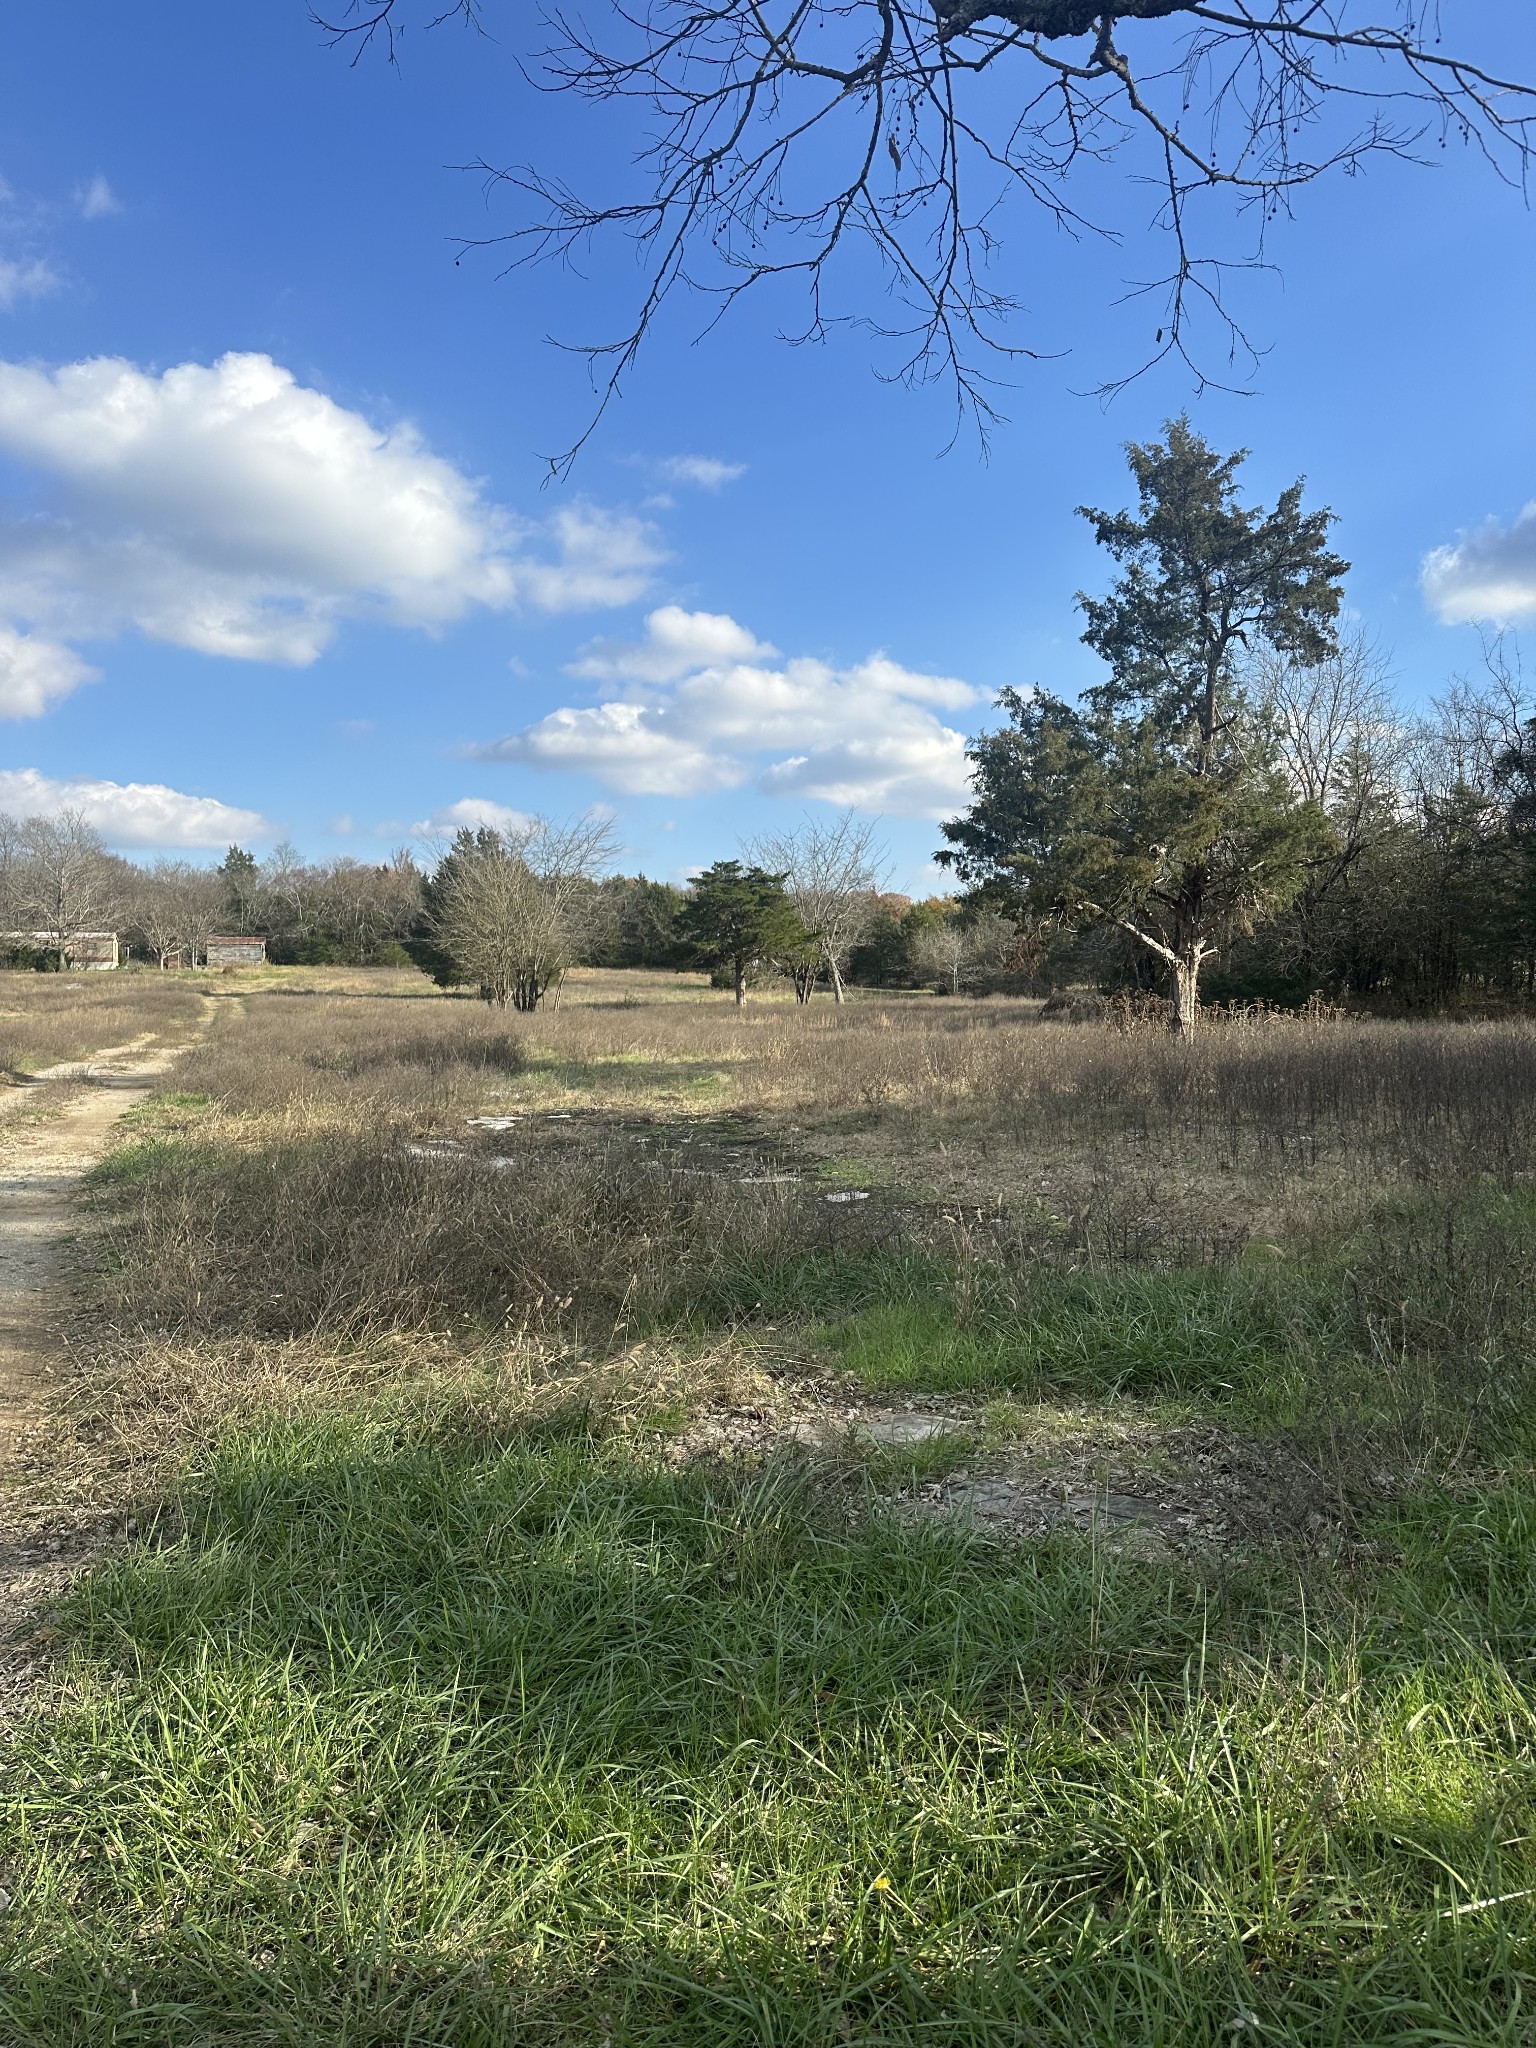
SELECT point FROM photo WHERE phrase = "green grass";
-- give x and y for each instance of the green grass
(424, 1730)
(415, 1722)
(130, 1166)
(908, 1322)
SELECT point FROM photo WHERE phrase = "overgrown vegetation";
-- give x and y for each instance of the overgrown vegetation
(46, 1020)
(522, 1643)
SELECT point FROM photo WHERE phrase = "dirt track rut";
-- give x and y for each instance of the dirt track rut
(41, 1166)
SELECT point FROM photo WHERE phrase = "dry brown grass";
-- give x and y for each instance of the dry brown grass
(46, 1019)
(301, 1189)
(1274, 1092)
(1140, 1148)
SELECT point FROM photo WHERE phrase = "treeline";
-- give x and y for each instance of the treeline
(1416, 889)
(1240, 810)
(510, 912)
(58, 882)
(507, 913)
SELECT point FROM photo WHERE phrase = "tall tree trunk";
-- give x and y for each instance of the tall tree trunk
(837, 979)
(1184, 1010)
(741, 981)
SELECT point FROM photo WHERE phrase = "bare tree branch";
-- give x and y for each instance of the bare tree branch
(781, 134)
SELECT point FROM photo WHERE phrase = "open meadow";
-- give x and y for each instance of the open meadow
(904, 1523)
(49, 1019)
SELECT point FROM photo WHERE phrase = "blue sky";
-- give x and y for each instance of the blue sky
(275, 539)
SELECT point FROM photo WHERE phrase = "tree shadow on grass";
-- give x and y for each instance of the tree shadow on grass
(425, 1730)
(1100, 1987)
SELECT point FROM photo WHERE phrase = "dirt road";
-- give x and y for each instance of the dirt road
(41, 1166)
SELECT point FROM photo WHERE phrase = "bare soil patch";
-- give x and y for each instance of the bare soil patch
(1202, 1484)
(41, 1168)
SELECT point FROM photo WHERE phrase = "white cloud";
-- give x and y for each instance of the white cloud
(35, 673)
(675, 642)
(632, 747)
(471, 812)
(130, 813)
(603, 558)
(229, 509)
(1488, 575)
(910, 774)
(25, 278)
(96, 199)
(701, 710)
(707, 471)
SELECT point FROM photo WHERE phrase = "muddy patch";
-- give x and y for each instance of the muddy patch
(1087, 1470)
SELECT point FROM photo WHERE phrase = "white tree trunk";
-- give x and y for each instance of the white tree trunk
(1184, 1011)
(1184, 966)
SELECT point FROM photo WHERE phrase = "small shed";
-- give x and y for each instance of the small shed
(81, 949)
(239, 951)
(92, 949)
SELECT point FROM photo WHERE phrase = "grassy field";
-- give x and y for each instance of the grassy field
(46, 1019)
(909, 1524)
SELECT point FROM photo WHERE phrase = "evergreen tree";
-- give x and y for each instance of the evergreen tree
(426, 943)
(737, 916)
(240, 872)
(1158, 803)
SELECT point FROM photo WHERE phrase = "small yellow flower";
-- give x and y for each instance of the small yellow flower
(882, 1884)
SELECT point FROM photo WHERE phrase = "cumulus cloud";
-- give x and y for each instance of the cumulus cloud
(699, 705)
(473, 812)
(675, 642)
(36, 673)
(130, 813)
(708, 472)
(229, 509)
(600, 559)
(1487, 575)
(96, 199)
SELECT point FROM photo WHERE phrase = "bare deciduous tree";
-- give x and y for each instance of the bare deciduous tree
(511, 908)
(1477, 722)
(956, 951)
(833, 872)
(65, 881)
(288, 889)
(776, 136)
(366, 902)
(1342, 741)
(178, 908)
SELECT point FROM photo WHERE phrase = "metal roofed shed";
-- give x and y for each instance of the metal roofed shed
(237, 951)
